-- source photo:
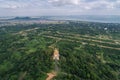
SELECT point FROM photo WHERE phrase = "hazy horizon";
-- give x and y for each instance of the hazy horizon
(88, 18)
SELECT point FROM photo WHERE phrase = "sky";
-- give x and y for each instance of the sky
(59, 7)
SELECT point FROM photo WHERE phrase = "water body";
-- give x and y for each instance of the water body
(91, 18)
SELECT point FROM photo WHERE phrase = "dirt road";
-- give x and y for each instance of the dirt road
(51, 75)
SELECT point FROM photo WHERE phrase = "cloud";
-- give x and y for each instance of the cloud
(60, 6)
(81, 4)
(64, 2)
(87, 4)
(14, 4)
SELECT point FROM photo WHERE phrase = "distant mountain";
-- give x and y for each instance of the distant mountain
(29, 18)
(22, 18)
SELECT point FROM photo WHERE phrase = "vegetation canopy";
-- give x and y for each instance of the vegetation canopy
(84, 51)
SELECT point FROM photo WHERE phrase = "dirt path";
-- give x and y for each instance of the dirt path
(80, 42)
(86, 36)
(22, 76)
(51, 75)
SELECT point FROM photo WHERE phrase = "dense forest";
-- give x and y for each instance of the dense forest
(88, 51)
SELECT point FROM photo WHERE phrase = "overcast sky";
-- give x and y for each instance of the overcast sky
(59, 7)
